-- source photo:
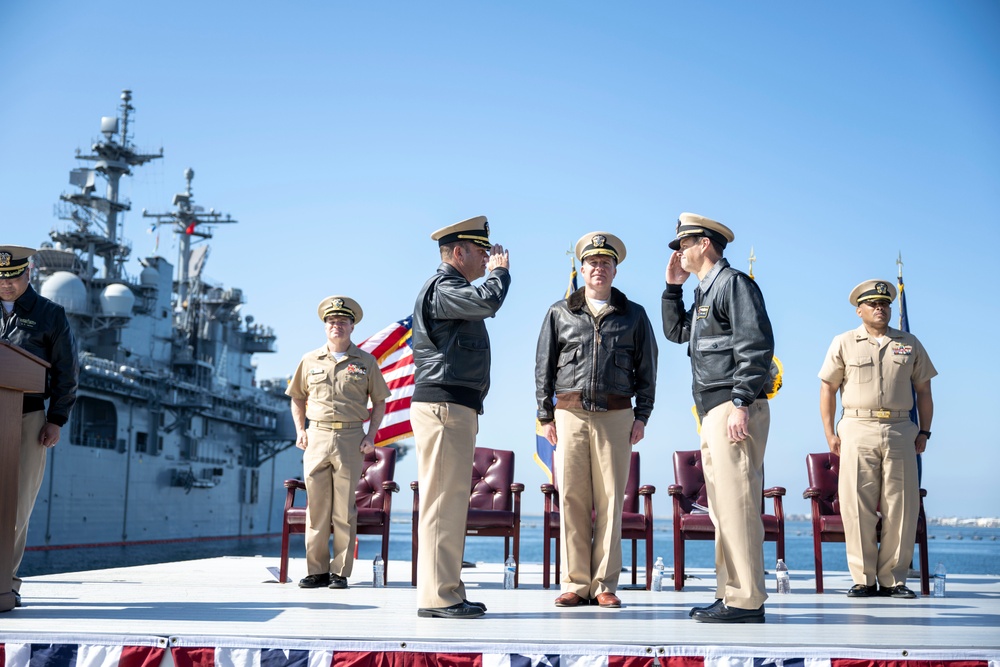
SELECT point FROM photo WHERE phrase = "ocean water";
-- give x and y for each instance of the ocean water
(962, 549)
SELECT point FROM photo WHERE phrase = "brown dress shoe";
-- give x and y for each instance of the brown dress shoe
(570, 600)
(609, 600)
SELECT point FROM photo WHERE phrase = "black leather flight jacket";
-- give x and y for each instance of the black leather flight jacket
(41, 327)
(611, 355)
(451, 347)
(729, 337)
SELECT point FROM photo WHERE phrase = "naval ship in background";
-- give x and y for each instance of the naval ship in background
(172, 437)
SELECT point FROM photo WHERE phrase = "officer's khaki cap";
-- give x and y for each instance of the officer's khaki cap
(692, 224)
(339, 305)
(14, 260)
(600, 243)
(873, 290)
(474, 230)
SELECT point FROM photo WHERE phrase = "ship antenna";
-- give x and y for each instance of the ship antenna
(126, 108)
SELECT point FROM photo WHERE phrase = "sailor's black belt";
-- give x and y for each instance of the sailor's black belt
(336, 426)
(877, 414)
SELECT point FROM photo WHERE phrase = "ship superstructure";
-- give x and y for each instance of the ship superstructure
(172, 436)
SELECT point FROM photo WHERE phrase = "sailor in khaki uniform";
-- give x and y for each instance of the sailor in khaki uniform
(877, 369)
(331, 388)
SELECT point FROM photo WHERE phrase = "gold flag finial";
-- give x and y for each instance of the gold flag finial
(899, 263)
(752, 258)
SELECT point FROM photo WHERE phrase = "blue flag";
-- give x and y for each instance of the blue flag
(543, 448)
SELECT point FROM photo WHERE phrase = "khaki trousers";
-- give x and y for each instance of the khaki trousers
(30, 474)
(332, 465)
(878, 471)
(445, 435)
(734, 480)
(592, 461)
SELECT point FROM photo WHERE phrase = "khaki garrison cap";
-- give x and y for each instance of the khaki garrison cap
(873, 290)
(600, 243)
(339, 305)
(692, 224)
(14, 260)
(474, 230)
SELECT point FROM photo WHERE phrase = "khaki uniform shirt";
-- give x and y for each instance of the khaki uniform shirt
(873, 376)
(338, 392)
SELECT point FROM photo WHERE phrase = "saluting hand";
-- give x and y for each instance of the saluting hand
(675, 274)
(498, 258)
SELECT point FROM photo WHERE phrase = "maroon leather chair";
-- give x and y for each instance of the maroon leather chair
(373, 496)
(494, 505)
(636, 525)
(697, 525)
(828, 526)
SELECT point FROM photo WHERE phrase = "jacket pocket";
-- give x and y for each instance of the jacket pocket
(320, 386)
(567, 369)
(623, 372)
(715, 354)
(472, 363)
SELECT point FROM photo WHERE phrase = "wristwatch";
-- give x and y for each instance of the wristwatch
(740, 403)
(926, 433)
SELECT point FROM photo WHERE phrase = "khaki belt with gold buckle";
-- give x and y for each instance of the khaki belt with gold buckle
(878, 414)
(337, 426)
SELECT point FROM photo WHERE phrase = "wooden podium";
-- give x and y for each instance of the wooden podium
(20, 372)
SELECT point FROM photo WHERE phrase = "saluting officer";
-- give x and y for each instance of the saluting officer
(331, 388)
(876, 369)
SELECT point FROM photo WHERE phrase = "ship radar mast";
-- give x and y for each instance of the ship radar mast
(97, 220)
(187, 221)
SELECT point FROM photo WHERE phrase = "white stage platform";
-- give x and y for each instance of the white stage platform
(233, 608)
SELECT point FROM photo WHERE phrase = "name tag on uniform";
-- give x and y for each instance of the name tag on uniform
(316, 371)
(702, 312)
(902, 349)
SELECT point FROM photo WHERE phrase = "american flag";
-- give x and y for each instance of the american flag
(393, 351)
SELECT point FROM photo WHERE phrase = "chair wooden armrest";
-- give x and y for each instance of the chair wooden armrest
(811, 492)
(675, 490)
(774, 492)
(391, 487)
(647, 490)
(295, 484)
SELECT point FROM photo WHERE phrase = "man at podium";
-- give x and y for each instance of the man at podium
(36, 324)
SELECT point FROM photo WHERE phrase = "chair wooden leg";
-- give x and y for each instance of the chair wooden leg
(678, 561)
(517, 556)
(635, 562)
(649, 560)
(818, 546)
(925, 575)
(546, 553)
(413, 557)
(283, 563)
(385, 555)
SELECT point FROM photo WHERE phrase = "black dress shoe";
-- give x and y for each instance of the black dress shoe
(725, 614)
(862, 591)
(460, 610)
(315, 581)
(17, 599)
(475, 604)
(715, 604)
(337, 581)
(897, 591)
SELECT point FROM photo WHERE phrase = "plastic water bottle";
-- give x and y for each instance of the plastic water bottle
(783, 580)
(378, 570)
(940, 573)
(658, 570)
(509, 568)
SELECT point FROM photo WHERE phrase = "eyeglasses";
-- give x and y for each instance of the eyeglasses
(878, 304)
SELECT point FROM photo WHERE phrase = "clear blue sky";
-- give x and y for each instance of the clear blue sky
(828, 136)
